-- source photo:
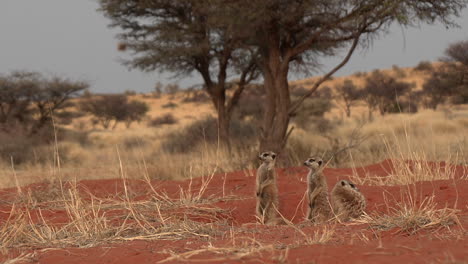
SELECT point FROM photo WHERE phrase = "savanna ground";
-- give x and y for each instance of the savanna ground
(151, 194)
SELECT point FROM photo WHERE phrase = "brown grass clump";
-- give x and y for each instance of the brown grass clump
(410, 217)
(167, 119)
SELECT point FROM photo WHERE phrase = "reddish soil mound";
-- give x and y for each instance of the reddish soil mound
(237, 242)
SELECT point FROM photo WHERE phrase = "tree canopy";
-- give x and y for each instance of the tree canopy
(218, 37)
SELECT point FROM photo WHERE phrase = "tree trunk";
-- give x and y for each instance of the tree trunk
(276, 117)
(348, 111)
(218, 97)
(224, 122)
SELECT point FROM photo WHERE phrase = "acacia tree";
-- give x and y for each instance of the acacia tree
(297, 31)
(382, 91)
(114, 108)
(185, 36)
(208, 36)
(347, 94)
(31, 99)
(456, 72)
(440, 85)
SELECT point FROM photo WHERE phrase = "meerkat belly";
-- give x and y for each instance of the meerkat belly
(321, 202)
(269, 193)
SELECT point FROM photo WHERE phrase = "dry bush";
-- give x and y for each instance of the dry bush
(167, 119)
(399, 72)
(408, 217)
(170, 105)
(205, 131)
(424, 66)
(196, 97)
(89, 225)
(360, 74)
(399, 137)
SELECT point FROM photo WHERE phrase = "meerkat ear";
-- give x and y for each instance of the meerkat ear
(273, 156)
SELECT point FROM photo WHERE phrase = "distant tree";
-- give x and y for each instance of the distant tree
(399, 72)
(135, 112)
(450, 79)
(424, 66)
(456, 70)
(54, 95)
(158, 88)
(172, 89)
(382, 91)
(347, 95)
(314, 109)
(457, 52)
(130, 92)
(438, 87)
(111, 109)
(32, 100)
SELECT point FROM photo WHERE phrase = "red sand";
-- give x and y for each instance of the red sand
(347, 245)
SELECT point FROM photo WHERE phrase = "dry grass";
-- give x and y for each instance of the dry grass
(427, 135)
(248, 249)
(91, 221)
(410, 217)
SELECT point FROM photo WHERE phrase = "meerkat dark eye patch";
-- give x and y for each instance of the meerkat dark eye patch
(352, 186)
(265, 155)
(311, 160)
(343, 183)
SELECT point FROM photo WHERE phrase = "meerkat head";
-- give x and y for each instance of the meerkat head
(313, 163)
(348, 184)
(267, 157)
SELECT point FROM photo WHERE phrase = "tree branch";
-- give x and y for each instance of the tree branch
(248, 74)
(295, 106)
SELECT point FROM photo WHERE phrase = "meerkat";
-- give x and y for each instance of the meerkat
(267, 189)
(317, 192)
(347, 201)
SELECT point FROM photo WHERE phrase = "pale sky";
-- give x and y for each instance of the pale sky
(70, 38)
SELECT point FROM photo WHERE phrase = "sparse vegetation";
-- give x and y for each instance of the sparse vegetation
(424, 66)
(170, 105)
(383, 92)
(348, 94)
(108, 109)
(30, 100)
(205, 132)
(409, 218)
(167, 119)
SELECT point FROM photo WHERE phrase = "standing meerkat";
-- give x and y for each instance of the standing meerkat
(267, 189)
(317, 192)
(348, 202)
